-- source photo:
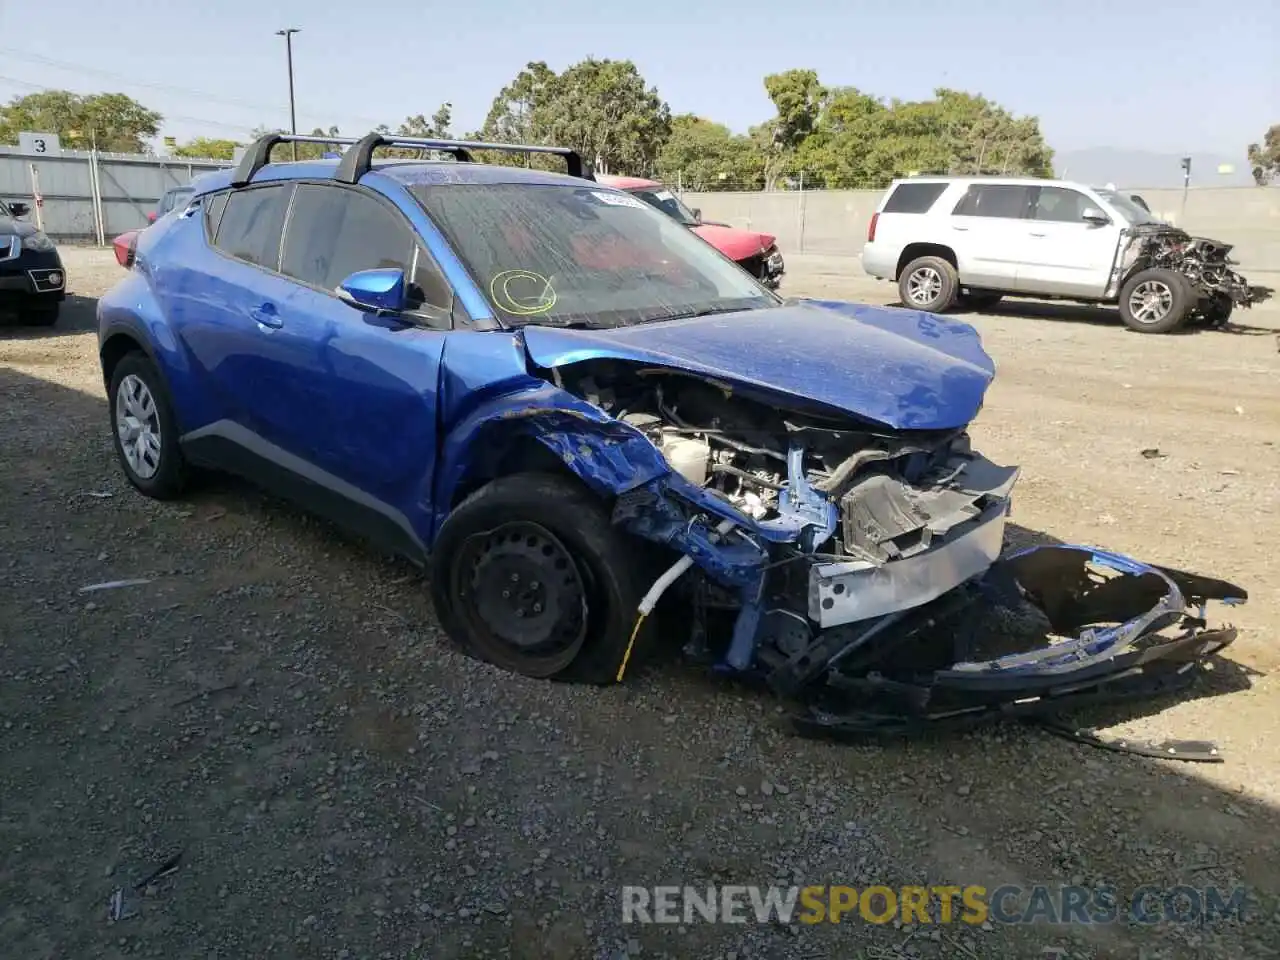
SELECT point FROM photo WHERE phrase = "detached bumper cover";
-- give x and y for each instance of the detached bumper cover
(1111, 628)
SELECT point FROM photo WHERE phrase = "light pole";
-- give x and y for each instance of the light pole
(288, 51)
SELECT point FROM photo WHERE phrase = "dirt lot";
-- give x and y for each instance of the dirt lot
(279, 705)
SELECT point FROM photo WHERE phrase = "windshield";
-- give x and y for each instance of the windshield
(668, 203)
(1127, 208)
(584, 256)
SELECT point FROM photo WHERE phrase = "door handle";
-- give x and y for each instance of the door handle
(266, 316)
(961, 229)
(1036, 234)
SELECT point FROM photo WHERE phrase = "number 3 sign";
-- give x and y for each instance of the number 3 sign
(39, 144)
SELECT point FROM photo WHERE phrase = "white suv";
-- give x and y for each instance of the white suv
(969, 241)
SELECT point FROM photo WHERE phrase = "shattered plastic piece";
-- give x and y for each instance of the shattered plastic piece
(167, 867)
(1194, 751)
(119, 908)
(113, 584)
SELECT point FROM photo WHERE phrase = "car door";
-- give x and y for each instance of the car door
(1066, 254)
(353, 395)
(220, 286)
(988, 234)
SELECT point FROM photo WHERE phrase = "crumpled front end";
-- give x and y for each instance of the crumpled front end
(1205, 263)
(847, 562)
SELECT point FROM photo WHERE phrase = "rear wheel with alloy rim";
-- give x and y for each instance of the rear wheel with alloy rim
(144, 429)
(929, 283)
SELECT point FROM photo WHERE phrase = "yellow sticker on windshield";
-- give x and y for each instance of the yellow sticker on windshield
(522, 292)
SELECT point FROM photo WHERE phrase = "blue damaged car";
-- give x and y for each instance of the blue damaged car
(568, 406)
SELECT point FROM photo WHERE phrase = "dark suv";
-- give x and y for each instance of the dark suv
(32, 281)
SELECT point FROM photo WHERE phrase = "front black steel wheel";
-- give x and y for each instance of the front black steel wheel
(523, 598)
(529, 574)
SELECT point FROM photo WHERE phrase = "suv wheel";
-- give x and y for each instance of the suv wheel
(1155, 301)
(43, 315)
(980, 301)
(1216, 311)
(929, 283)
(144, 429)
(529, 574)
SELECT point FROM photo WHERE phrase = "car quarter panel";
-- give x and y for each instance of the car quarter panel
(138, 308)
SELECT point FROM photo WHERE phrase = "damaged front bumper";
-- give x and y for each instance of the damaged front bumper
(930, 627)
(1109, 628)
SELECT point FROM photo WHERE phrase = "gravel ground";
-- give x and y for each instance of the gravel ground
(278, 703)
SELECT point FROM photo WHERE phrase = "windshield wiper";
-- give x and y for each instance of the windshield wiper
(690, 314)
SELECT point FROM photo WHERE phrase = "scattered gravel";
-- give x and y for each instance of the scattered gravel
(278, 704)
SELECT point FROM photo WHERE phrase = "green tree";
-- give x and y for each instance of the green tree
(436, 128)
(511, 116)
(601, 108)
(844, 137)
(798, 99)
(1264, 160)
(306, 151)
(207, 148)
(113, 122)
(703, 155)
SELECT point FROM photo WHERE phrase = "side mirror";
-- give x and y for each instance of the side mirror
(1094, 215)
(151, 217)
(697, 213)
(377, 291)
(20, 209)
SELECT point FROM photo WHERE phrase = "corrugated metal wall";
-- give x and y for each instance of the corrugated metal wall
(130, 186)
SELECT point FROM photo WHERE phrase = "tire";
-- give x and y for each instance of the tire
(579, 579)
(161, 475)
(1165, 293)
(980, 301)
(44, 315)
(930, 284)
(1217, 310)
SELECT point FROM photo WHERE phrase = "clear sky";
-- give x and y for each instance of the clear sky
(1177, 75)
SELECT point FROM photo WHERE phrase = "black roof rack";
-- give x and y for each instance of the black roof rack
(358, 160)
(258, 153)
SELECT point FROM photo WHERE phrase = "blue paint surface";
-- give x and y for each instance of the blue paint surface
(900, 368)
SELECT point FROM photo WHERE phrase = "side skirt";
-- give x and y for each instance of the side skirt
(231, 448)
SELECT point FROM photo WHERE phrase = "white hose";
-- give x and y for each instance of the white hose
(672, 574)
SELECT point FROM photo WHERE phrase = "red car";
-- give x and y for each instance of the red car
(757, 253)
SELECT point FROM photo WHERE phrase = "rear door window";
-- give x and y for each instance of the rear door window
(250, 226)
(999, 201)
(913, 197)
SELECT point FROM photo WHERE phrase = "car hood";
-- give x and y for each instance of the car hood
(901, 369)
(10, 227)
(734, 243)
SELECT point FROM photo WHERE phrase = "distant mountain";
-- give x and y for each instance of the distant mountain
(1139, 168)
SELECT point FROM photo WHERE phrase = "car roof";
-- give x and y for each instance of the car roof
(996, 181)
(627, 183)
(407, 172)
